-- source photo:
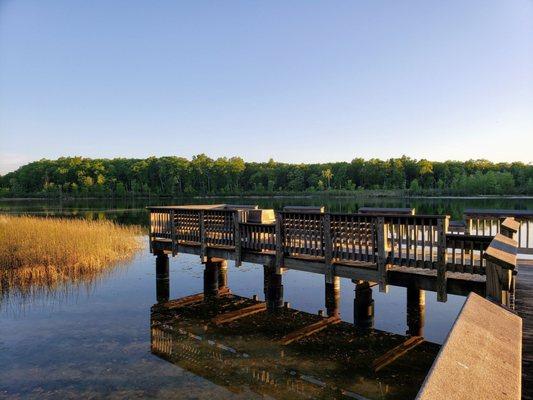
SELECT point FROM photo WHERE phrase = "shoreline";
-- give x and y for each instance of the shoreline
(278, 196)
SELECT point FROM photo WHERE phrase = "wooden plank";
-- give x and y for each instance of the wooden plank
(481, 358)
(241, 313)
(309, 330)
(395, 353)
(524, 307)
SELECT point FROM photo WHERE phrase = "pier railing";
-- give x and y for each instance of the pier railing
(408, 240)
(488, 223)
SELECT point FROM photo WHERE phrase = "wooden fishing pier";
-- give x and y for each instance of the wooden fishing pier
(372, 247)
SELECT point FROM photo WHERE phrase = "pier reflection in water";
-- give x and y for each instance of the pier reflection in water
(269, 348)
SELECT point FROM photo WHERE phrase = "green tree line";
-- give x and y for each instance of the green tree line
(202, 175)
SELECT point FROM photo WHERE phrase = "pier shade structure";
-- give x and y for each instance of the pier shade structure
(375, 247)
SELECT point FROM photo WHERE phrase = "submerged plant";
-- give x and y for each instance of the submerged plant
(43, 253)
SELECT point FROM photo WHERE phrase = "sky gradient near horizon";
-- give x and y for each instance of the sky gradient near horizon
(298, 81)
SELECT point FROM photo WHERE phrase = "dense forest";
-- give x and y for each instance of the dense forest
(177, 176)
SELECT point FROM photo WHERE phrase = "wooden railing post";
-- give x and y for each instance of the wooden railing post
(237, 237)
(280, 251)
(468, 226)
(442, 259)
(382, 253)
(328, 247)
(203, 241)
(173, 233)
(501, 262)
(151, 232)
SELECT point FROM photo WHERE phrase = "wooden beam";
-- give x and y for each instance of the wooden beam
(442, 228)
(382, 254)
(280, 262)
(328, 251)
(237, 237)
(395, 353)
(309, 330)
(241, 313)
(203, 244)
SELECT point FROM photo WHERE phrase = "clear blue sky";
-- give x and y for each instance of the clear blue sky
(299, 81)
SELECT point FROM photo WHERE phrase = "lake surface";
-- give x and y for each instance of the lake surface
(94, 339)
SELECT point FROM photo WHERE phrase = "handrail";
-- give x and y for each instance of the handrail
(490, 222)
(498, 213)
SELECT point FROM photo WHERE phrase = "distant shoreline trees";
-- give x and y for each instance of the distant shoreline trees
(202, 175)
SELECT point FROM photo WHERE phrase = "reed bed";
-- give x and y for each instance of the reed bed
(47, 252)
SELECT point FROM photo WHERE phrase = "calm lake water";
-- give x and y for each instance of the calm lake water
(94, 340)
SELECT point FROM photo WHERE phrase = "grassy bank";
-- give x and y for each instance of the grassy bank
(46, 252)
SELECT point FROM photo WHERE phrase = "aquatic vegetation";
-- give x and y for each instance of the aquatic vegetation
(47, 252)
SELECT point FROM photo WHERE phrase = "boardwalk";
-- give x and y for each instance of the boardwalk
(524, 307)
(402, 249)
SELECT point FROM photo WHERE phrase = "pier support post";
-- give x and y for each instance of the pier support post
(273, 288)
(333, 297)
(416, 311)
(162, 280)
(222, 274)
(211, 278)
(363, 305)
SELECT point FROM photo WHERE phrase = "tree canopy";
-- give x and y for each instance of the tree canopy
(202, 175)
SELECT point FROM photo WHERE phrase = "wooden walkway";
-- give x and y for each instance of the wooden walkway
(390, 249)
(524, 307)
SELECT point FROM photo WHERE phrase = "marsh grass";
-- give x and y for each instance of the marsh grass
(43, 253)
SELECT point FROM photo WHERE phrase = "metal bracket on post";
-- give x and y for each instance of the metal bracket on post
(442, 259)
(280, 255)
(203, 243)
(328, 248)
(382, 254)
(237, 237)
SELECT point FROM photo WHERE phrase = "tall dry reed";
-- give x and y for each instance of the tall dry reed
(45, 252)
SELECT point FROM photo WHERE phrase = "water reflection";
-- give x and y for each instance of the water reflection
(241, 343)
(132, 211)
